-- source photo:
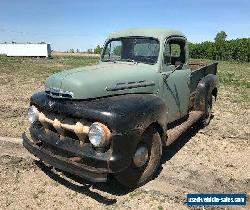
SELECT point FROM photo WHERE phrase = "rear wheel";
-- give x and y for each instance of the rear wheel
(205, 120)
(145, 161)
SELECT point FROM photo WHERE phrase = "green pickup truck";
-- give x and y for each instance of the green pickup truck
(117, 117)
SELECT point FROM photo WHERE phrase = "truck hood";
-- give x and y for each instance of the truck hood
(101, 80)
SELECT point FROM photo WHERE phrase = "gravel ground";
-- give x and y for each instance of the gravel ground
(215, 159)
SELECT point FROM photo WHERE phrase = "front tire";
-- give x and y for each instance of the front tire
(142, 168)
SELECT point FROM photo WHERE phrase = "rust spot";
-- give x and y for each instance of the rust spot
(36, 141)
(202, 104)
(106, 132)
(174, 134)
(139, 126)
(59, 129)
(81, 132)
(192, 102)
(75, 159)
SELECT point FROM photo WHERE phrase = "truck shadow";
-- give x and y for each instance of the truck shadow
(75, 183)
(171, 150)
(112, 186)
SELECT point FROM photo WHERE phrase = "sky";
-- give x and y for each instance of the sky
(85, 24)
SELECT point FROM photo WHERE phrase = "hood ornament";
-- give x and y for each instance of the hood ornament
(51, 104)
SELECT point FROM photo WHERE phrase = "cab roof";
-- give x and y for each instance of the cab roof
(158, 33)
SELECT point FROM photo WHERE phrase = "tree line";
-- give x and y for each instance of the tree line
(222, 49)
(96, 50)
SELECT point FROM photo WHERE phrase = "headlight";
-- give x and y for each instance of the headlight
(33, 114)
(99, 135)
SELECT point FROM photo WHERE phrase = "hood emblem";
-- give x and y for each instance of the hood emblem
(51, 104)
(130, 85)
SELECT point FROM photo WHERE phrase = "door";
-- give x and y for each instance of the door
(175, 79)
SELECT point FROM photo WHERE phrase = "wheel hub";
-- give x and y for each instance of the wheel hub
(141, 156)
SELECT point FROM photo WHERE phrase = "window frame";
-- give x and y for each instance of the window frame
(177, 38)
(128, 37)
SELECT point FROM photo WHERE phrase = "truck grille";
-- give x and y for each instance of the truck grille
(65, 125)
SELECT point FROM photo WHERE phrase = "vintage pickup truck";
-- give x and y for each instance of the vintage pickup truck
(118, 116)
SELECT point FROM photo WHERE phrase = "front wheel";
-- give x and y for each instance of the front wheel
(145, 161)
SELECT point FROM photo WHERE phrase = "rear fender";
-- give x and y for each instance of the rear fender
(207, 85)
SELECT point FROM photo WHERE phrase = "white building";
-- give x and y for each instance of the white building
(15, 49)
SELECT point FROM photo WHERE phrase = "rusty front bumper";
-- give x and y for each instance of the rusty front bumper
(64, 163)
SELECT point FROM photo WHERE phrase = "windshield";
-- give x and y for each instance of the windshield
(132, 49)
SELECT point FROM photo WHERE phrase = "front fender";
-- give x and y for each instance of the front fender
(142, 111)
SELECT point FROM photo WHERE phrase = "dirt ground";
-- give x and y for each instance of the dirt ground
(215, 159)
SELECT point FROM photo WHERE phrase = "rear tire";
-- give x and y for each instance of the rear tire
(136, 175)
(205, 120)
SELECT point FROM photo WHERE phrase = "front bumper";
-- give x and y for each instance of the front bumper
(64, 163)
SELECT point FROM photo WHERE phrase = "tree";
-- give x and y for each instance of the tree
(90, 51)
(220, 37)
(235, 49)
(98, 49)
(220, 44)
(71, 50)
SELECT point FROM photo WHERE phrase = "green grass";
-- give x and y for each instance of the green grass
(41, 68)
(234, 74)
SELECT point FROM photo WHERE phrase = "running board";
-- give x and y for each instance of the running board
(174, 133)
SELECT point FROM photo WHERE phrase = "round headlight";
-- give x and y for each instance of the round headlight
(32, 114)
(98, 134)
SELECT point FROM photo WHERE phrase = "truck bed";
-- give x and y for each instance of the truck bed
(200, 70)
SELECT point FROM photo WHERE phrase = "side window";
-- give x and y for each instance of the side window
(113, 50)
(174, 52)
